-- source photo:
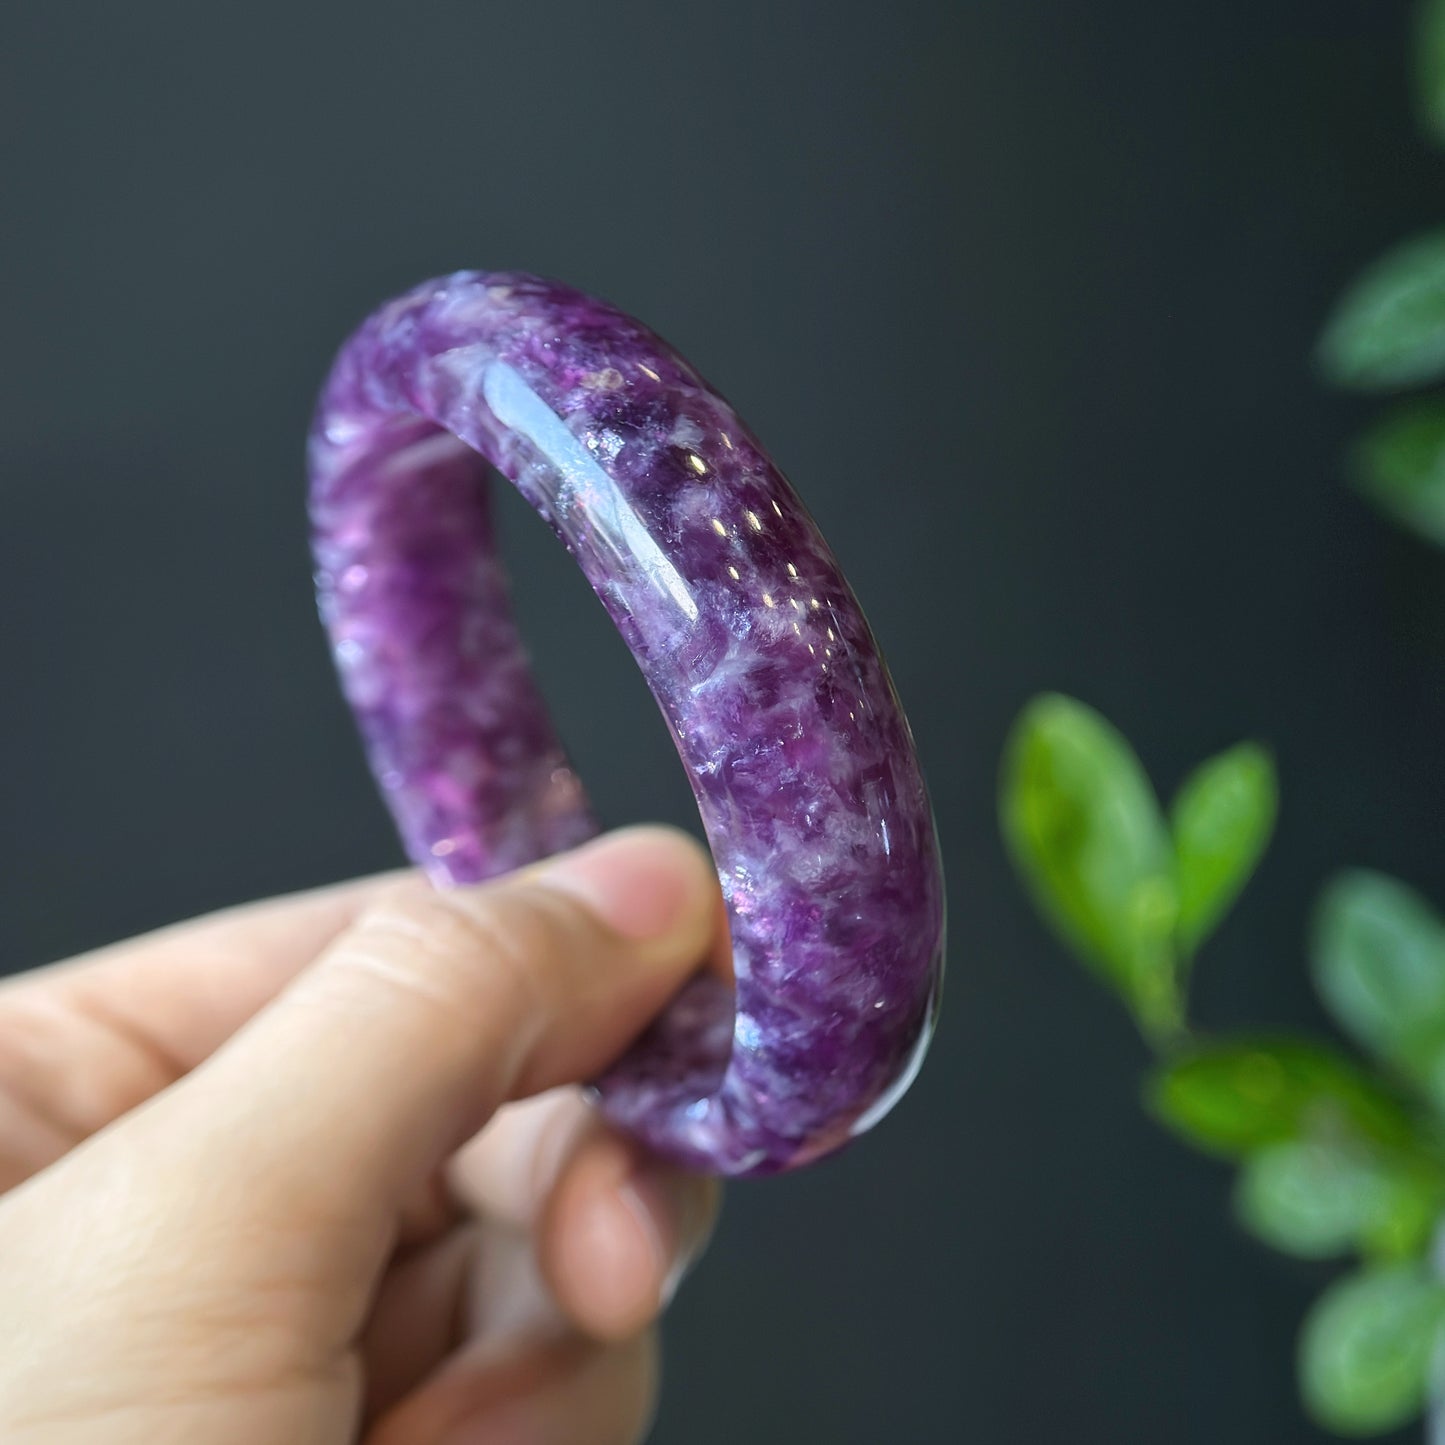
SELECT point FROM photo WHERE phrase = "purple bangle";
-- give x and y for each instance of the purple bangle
(751, 641)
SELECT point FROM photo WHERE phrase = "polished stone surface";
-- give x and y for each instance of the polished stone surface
(770, 681)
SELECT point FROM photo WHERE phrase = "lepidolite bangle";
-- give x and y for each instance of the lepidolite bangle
(751, 641)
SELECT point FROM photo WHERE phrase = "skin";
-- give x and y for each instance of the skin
(316, 1171)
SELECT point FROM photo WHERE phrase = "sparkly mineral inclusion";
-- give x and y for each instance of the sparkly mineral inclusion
(752, 643)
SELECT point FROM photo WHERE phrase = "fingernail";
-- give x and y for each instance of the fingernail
(643, 883)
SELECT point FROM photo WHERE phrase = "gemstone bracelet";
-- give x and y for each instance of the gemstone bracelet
(751, 641)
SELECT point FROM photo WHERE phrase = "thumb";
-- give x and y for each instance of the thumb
(436, 1008)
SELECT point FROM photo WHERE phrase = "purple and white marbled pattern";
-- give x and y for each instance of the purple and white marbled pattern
(771, 684)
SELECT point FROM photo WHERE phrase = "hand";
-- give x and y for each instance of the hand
(247, 1201)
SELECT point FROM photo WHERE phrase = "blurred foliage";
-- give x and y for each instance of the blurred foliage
(1388, 329)
(1336, 1156)
(1131, 895)
(1379, 964)
(1430, 69)
(1368, 1348)
(1323, 1196)
(1387, 334)
(1221, 822)
(1086, 829)
(1399, 465)
(1234, 1097)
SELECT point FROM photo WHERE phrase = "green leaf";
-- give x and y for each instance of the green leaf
(1409, 1217)
(1087, 835)
(1430, 68)
(1367, 1349)
(1379, 964)
(1236, 1097)
(1324, 1196)
(1399, 465)
(1388, 330)
(1222, 820)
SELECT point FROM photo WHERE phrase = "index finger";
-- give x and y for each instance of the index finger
(84, 1041)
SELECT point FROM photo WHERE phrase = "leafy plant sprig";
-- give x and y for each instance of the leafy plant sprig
(1387, 336)
(1336, 1156)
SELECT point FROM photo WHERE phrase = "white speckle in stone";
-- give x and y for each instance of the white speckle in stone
(685, 433)
(343, 430)
(746, 1032)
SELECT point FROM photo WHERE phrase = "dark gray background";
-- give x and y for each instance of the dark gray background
(1021, 295)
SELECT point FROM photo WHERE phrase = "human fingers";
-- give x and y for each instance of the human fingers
(85, 1041)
